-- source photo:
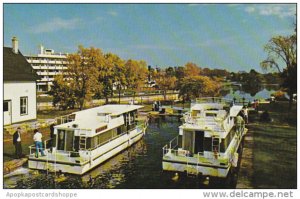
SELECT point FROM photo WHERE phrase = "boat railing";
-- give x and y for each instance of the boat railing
(47, 144)
(65, 119)
(212, 100)
(172, 146)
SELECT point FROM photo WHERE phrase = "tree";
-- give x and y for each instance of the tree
(63, 94)
(198, 86)
(112, 75)
(282, 54)
(191, 69)
(136, 74)
(80, 79)
(165, 81)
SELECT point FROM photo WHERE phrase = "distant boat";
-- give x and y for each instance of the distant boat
(87, 138)
(208, 140)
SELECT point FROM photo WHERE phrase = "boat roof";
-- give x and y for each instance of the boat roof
(234, 110)
(112, 109)
(89, 119)
(205, 106)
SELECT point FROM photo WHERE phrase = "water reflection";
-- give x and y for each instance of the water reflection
(250, 94)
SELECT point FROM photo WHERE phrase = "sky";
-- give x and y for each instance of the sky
(225, 36)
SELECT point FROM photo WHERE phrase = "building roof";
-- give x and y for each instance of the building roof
(16, 67)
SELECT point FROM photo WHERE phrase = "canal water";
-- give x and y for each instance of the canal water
(139, 167)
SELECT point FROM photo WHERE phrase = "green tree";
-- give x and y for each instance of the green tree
(112, 75)
(282, 54)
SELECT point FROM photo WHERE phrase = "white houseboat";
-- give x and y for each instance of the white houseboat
(208, 140)
(87, 138)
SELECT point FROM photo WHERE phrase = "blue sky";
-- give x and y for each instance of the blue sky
(227, 36)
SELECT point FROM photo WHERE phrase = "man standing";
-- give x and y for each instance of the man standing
(38, 143)
(17, 142)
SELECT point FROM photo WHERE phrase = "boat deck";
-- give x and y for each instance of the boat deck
(58, 157)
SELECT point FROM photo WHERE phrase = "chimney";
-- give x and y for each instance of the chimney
(15, 45)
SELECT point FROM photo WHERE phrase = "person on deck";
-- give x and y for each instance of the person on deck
(38, 143)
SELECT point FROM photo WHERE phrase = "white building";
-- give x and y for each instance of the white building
(47, 65)
(19, 81)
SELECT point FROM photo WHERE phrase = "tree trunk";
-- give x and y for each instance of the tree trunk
(106, 99)
(165, 95)
(81, 104)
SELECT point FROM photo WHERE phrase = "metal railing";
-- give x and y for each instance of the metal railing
(212, 100)
(65, 119)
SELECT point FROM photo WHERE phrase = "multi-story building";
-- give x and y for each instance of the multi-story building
(47, 65)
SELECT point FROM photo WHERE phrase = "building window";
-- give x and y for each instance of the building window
(5, 106)
(24, 105)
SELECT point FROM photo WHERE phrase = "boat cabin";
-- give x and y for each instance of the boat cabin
(91, 128)
(208, 128)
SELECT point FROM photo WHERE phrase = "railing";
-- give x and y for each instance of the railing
(174, 143)
(212, 100)
(65, 119)
(172, 146)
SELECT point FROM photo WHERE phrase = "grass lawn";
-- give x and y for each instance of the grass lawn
(275, 148)
(27, 140)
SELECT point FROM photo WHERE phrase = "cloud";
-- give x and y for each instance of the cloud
(250, 9)
(112, 13)
(279, 10)
(56, 24)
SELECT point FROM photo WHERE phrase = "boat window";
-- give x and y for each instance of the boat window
(102, 138)
(211, 114)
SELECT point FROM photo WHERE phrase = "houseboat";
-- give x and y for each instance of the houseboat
(87, 138)
(208, 140)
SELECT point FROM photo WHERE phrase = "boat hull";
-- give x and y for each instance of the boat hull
(201, 170)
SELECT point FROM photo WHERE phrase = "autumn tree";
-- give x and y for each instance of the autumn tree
(198, 86)
(81, 76)
(282, 54)
(136, 73)
(165, 81)
(191, 69)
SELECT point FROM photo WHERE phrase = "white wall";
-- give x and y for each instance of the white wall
(13, 91)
